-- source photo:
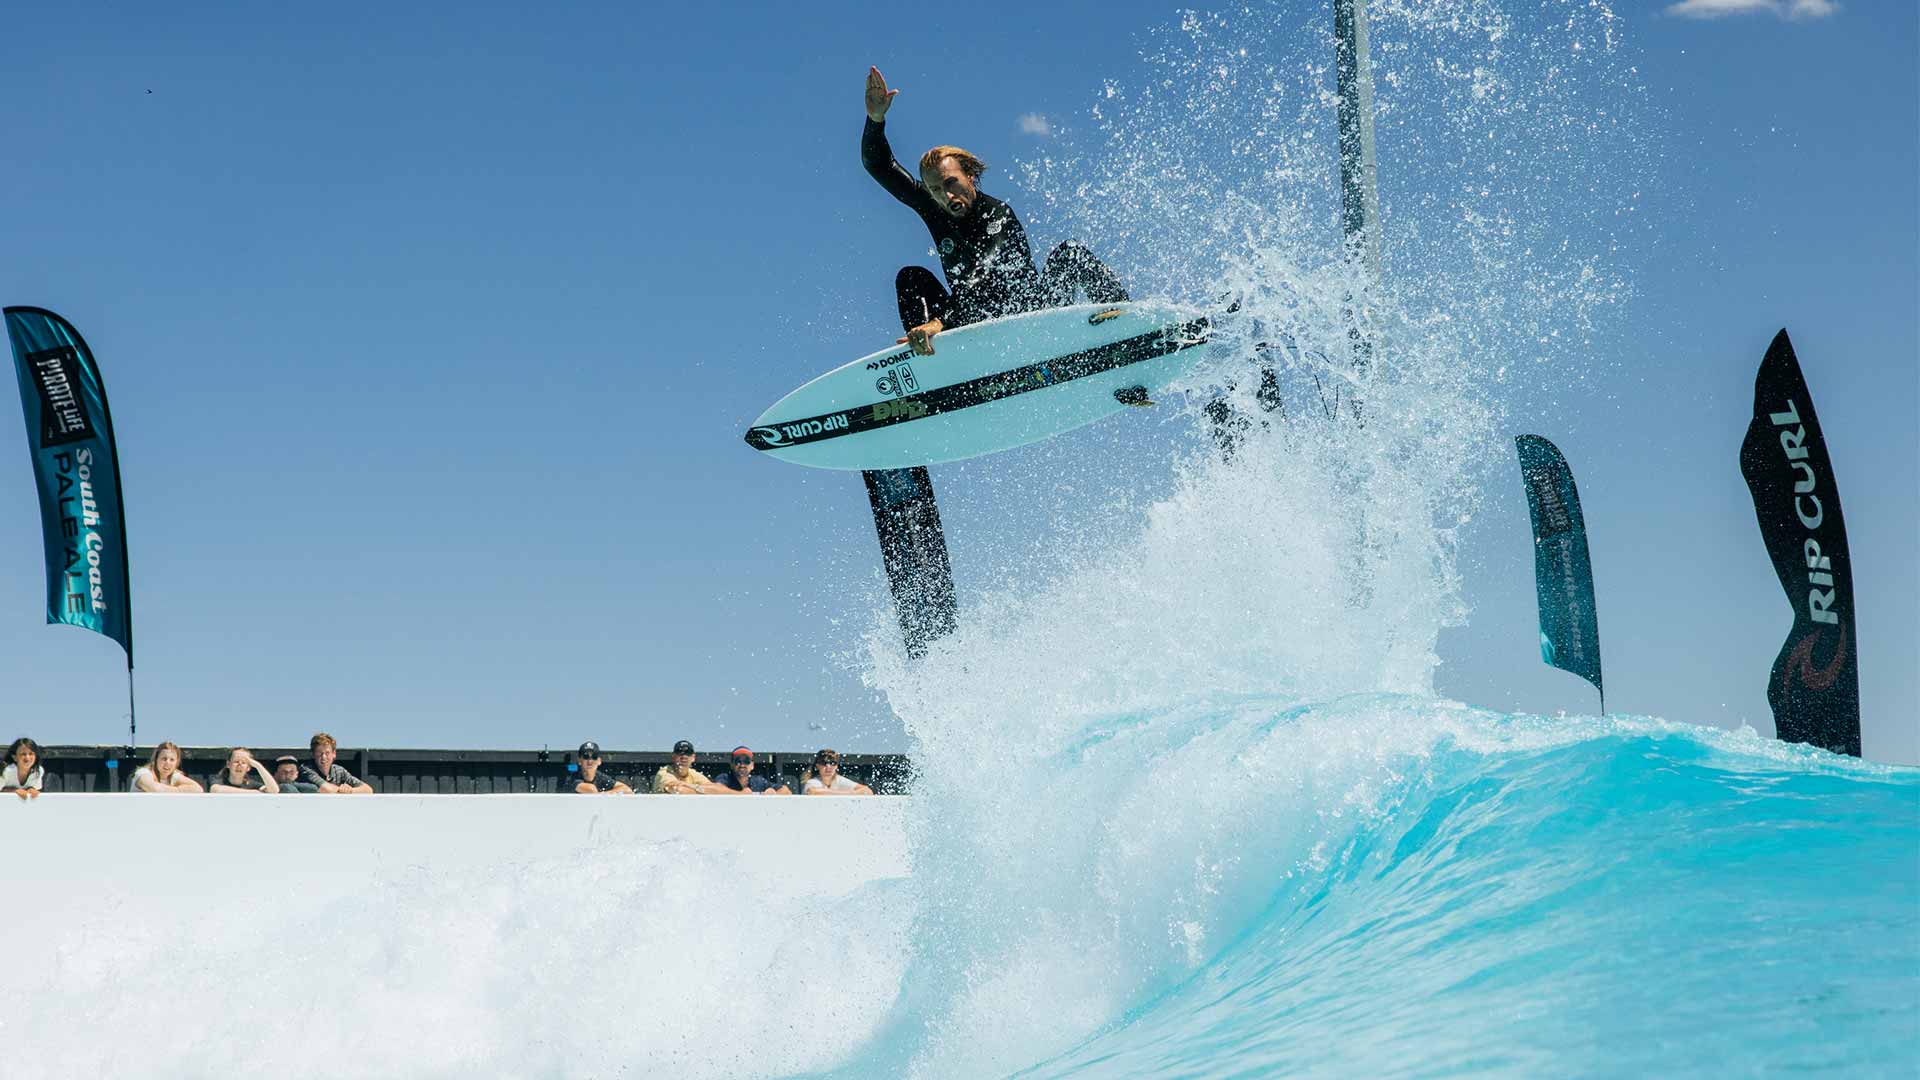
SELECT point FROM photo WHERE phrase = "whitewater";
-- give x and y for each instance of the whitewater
(1248, 838)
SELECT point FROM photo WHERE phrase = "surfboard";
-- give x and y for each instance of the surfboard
(988, 386)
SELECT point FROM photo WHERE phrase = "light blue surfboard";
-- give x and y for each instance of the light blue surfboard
(988, 386)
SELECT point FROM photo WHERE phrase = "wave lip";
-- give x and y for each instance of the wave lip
(1601, 897)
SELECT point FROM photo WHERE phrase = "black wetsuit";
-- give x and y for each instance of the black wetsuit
(985, 255)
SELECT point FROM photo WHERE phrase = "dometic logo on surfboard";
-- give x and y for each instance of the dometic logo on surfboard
(801, 430)
(889, 361)
(63, 416)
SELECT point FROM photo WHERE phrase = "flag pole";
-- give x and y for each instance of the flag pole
(133, 723)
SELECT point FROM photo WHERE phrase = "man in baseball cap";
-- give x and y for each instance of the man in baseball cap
(742, 780)
(590, 780)
(286, 772)
(680, 778)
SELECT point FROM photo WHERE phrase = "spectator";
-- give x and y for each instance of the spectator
(161, 774)
(24, 774)
(825, 779)
(244, 774)
(328, 775)
(680, 778)
(591, 781)
(286, 773)
(742, 780)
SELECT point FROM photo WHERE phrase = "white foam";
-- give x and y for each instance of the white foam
(451, 935)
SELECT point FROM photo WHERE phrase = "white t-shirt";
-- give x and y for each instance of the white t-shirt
(146, 770)
(10, 778)
(840, 783)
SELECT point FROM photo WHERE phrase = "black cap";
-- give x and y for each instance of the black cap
(285, 759)
(589, 749)
(683, 747)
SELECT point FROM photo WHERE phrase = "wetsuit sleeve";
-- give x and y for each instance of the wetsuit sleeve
(877, 156)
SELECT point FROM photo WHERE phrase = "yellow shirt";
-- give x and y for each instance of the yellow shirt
(666, 774)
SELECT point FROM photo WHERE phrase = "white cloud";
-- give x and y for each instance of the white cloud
(1785, 9)
(1035, 124)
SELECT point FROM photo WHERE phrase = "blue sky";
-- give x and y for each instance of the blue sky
(430, 336)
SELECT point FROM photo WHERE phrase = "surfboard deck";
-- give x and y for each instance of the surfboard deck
(988, 386)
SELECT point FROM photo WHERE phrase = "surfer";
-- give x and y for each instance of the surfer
(982, 246)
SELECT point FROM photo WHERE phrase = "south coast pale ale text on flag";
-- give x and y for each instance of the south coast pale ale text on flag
(76, 467)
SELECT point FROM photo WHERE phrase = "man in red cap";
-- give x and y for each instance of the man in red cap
(742, 780)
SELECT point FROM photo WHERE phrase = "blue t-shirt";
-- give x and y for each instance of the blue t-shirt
(755, 782)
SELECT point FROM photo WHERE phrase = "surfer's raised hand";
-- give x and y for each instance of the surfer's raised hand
(879, 98)
(921, 337)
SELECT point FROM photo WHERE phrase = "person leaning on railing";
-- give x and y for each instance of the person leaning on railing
(328, 775)
(161, 774)
(286, 773)
(24, 774)
(680, 778)
(742, 780)
(243, 775)
(590, 780)
(824, 777)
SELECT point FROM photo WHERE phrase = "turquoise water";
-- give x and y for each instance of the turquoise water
(1391, 885)
(1642, 900)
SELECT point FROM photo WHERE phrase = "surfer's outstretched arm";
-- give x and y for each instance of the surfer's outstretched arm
(876, 154)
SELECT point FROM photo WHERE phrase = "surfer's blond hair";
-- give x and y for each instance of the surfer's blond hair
(930, 161)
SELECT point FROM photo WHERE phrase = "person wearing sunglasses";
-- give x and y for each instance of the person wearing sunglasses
(680, 778)
(742, 780)
(590, 780)
(825, 779)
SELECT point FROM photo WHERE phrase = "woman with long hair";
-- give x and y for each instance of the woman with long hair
(161, 774)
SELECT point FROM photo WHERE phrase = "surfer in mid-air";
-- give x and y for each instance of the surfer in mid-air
(982, 246)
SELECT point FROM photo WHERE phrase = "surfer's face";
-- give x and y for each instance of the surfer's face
(951, 187)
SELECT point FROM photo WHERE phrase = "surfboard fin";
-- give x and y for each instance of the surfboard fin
(1135, 396)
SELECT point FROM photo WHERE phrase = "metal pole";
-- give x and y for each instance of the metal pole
(133, 723)
(1359, 173)
(1359, 186)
